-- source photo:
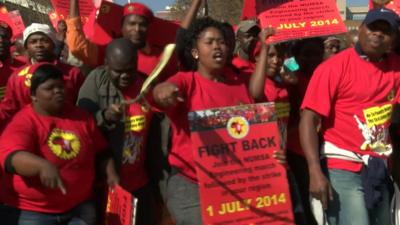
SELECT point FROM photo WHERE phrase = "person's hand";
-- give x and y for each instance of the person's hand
(266, 33)
(320, 188)
(167, 95)
(280, 156)
(50, 177)
(113, 113)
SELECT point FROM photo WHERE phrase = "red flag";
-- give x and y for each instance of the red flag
(162, 32)
(249, 10)
(108, 23)
(394, 5)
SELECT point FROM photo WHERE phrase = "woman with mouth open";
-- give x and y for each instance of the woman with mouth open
(210, 83)
(48, 151)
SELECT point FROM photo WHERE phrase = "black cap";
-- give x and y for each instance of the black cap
(383, 14)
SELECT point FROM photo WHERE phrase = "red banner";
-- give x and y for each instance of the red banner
(394, 5)
(61, 7)
(239, 180)
(296, 19)
(121, 207)
(108, 23)
(18, 23)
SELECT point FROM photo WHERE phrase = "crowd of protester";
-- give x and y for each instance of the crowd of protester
(69, 128)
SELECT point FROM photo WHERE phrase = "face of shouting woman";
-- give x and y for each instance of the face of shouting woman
(211, 50)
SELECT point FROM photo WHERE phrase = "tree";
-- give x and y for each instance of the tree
(222, 10)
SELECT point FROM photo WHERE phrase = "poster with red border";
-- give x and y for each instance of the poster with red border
(121, 207)
(61, 8)
(296, 19)
(239, 180)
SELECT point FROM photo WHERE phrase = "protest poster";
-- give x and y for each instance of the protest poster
(108, 23)
(239, 180)
(121, 207)
(61, 8)
(18, 24)
(296, 19)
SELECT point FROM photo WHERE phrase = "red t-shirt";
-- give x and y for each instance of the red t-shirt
(199, 94)
(246, 67)
(18, 93)
(356, 99)
(137, 121)
(69, 142)
(276, 92)
(7, 67)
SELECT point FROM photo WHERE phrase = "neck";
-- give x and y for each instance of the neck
(39, 110)
(214, 75)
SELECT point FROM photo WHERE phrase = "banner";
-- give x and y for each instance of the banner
(14, 20)
(108, 23)
(239, 180)
(296, 19)
(61, 8)
(121, 207)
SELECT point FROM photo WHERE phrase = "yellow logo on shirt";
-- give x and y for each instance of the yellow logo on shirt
(65, 145)
(28, 76)
(375, 116)
(135, 123)
(282, 109)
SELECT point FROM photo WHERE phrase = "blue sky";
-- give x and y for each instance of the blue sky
(160, 4)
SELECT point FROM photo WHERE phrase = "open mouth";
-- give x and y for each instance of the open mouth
(218, 56)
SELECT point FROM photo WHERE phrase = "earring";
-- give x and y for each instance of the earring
(196, 57)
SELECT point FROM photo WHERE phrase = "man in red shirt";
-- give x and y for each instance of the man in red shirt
(354, 93)
(135, 27)
(246, 41)
(39, 42)
(7, 64)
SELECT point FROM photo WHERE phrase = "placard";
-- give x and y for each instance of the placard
(239, 180)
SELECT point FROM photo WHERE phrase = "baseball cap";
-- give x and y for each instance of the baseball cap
(38, 28)
(383, 14)
(246, 25)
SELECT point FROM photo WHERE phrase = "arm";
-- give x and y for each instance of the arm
(191, 14)
(319, 184)
(257, 80)
(77, 43)
(29, 165)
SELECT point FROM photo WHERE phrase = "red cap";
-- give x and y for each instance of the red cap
(138, 9)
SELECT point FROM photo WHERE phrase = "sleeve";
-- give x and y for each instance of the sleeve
(88, 99)
(18, 135)
(322, 90)
(79, 45)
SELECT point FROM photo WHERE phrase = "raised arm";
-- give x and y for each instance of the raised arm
(77, 43)
(257, 80)
(191, 14)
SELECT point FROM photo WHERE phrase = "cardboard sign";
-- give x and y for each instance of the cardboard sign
(61, 8)
(296, 19)
(18, 25)
(121, 207)
(239, 180)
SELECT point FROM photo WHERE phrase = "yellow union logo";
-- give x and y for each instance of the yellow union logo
(238, 127)
(64, 145)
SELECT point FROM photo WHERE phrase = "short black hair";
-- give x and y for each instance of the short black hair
(43, 73)
(189, 37)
